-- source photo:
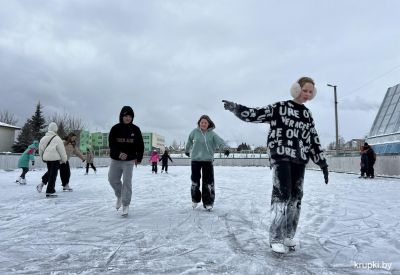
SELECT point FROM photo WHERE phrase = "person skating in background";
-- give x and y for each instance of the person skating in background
(371, 160)
(154, 158)
(89, 161)
(292, 141)
(164, 161)
(364, 163)
(52, 152)
(23, 162)
(65, 170)
(200, 147)
(126, 149)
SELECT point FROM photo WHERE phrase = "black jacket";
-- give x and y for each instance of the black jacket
(164, 159)
(126, 138)
(292, 135)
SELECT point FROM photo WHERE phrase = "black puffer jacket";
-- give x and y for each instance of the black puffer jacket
(126, 138)
(292, 135)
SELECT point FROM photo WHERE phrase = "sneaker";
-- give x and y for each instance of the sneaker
(22, 181)
(125, 210)
(289, 242)
(278, 248)
(39, 187)
(51, 195)
(209, 207)
(67, 188)
(119, 203)
(194, 204)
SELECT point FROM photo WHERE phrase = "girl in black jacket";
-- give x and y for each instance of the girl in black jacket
(292, 141)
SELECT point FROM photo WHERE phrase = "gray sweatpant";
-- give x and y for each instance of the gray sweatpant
(122, 188)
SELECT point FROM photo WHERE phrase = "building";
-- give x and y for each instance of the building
(153, 141)
(384, 136)
(7, 136)
(97, 142)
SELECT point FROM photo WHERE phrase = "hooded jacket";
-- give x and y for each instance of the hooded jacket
(292, 135)
(55, 149)
(126, 138)
(202, 145)
(28, 155)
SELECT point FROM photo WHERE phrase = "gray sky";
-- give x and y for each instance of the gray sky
(173, 61)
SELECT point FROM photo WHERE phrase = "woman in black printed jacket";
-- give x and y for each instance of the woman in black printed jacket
(292, 141)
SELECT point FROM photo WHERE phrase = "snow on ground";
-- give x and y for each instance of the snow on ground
(350, 226)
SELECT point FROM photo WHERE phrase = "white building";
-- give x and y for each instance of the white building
(7, 136)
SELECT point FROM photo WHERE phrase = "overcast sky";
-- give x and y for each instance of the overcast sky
(173, 61)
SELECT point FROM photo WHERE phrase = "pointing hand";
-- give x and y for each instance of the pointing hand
(229, 105)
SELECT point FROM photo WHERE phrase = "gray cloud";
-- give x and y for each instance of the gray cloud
(173, 61)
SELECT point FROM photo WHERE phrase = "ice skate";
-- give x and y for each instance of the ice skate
(39, 187)
(290, 243)
(22, 182)
(209, 208)
(118, 203)
(86, 174)
(278, 248)
(125, 210)
(66, 188)
(18, 180)
(194, 205)
(51, 195)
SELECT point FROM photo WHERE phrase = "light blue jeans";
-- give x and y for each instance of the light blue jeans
(123, 189)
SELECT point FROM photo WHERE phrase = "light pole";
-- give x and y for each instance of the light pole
(336, 118)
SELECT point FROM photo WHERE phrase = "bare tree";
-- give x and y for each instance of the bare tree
(67, 123)
(8, 118)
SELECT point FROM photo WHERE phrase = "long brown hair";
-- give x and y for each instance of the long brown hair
(210, 122)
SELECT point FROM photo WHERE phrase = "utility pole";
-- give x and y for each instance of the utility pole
(336, 119)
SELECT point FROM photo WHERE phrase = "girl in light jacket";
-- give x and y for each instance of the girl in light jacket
(201, 146)
(51, 151)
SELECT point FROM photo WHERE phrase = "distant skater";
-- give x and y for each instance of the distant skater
(23, 161)
(201, 146)
(164, 161)
(292, 141)
(154, 158)
(89, 161)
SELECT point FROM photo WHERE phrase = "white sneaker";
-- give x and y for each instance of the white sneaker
(39, 187)
(209, 207)
(22, 181)
(67, 188)
(194, 204)
(289, 242)
(278, 248)
(119, 203)
(125, 210)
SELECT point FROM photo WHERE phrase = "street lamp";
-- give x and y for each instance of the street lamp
(336, 118)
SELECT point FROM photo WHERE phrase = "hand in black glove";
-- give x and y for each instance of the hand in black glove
(229, 105)
(33, 162)
(187, 154)
(326, 173)
(226, 153)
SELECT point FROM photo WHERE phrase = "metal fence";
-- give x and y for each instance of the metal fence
(384, 166)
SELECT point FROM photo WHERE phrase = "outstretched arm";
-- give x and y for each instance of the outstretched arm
(257, 115)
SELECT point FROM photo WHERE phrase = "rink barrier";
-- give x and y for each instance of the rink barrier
(384, 166)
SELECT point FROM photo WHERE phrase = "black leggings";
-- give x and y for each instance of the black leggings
(24, 171)
(91, 165)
